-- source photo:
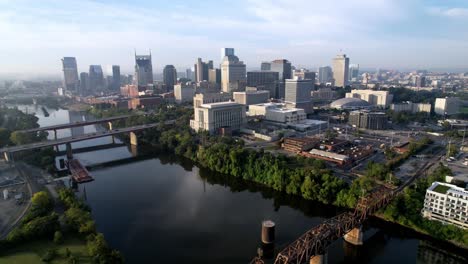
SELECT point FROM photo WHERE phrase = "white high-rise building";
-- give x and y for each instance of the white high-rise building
(446, 203)
(216, 116)
(341, 70)
(233, 74)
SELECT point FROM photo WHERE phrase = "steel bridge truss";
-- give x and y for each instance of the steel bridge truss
(316, 241)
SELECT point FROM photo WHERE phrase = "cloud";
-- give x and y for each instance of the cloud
(35, 34)
(456, 12)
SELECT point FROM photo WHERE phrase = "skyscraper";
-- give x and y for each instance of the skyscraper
(265, 66)
(96, 79)
(353, 72)
(341, 70)
(214, 76)
(298, 93)
(264, 80)
(143, 71)
(233, 74)
(325, 74)
(169, 76)
(189, 74)
(84, 83)
(283, 67)
(226, 52)
(70, 74)
(201, 70)
(115, 78)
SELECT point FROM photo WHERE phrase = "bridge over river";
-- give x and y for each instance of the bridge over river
(8, 151)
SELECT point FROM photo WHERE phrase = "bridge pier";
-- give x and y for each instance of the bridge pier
(355, 236)
(110, 125)
(69, 151)
(7, 156)
(133, 139)
(319, 259)
(134, 150)
(55, 134)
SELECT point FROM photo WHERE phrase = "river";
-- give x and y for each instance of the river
(158, 208)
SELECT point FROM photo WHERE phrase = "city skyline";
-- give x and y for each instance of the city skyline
(420, 34)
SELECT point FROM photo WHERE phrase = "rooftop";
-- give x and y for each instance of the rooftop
(220, 105)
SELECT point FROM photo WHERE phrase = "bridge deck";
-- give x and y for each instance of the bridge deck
(66, 140)
(75, 124)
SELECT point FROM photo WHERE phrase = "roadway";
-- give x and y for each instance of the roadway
(61, 141)
(75, 124)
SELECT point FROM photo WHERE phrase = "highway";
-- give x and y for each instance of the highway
(66, 140)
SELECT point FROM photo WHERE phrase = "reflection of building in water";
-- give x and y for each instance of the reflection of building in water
(76, 117)
(431, 254)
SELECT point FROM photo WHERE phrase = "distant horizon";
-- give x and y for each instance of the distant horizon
(394, 34)
(157, 72)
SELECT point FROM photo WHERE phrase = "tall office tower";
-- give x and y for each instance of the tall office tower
(265, 66)
(201, 70)
(419, 81)
(115, 78)
(189, 74)
(143, 71)
(169, 76)
(298, 93)
(354, 72)
(325, 74)
(227, 52)
(233, 74)
(341, 70)
(70, 74)
(304, 74)
(264, 80)
(283, 67)
(96, 79)
(214, 76)
(84, 83)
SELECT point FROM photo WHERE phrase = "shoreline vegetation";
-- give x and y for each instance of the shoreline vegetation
(45, 220)
(309, 179)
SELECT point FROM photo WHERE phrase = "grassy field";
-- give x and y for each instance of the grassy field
(31, 253)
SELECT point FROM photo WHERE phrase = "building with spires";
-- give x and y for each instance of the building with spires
(143, 71)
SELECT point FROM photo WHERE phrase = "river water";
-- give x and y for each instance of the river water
(157, 208)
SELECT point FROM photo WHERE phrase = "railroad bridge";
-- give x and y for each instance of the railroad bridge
(312, 246)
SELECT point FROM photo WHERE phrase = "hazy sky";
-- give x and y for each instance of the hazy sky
(35, 34)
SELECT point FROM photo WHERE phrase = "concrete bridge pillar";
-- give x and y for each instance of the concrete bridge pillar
(133, 139)
(110, 125)
(55, 134)
(7, 156)
(355, 236)
(319, 259)
(69, 151)
(134, 150)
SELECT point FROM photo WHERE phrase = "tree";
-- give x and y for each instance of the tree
(19, 138)
(58, 237)
(42, 200)
(4, 136)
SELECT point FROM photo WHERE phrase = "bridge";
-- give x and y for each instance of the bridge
(314, 243)
(8, 151)
(76, 124)
(312, 246)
